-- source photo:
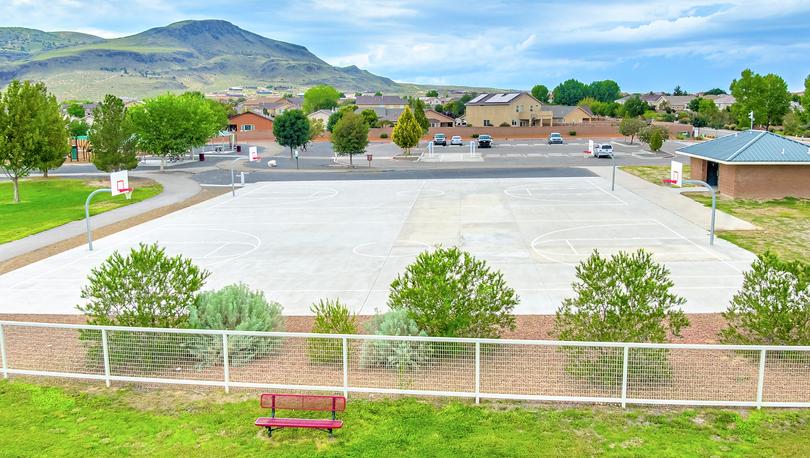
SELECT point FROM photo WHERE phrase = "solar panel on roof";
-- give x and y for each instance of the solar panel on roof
(509, 97)
(478, 99)
(497, 98)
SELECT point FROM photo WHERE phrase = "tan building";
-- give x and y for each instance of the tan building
(565, 114)
(754, 164)
(513, 109)
(323, 115)
(679, 102)
(379, 101)
(438, 119)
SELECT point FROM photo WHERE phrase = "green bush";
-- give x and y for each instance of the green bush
(474, 135)
(237, 308)
(572, 133)
(146, 288)
(331, 317)
(773, 306)
(504, 124)
(656, 141)
(625, 298)
(450, 293)
(383, 135)
(397, 355)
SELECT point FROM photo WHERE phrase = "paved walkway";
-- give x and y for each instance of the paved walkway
(672, 200)
(177, 187)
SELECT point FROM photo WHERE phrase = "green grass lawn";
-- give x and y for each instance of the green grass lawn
(38, 420)
(50, 202)
(784, 224)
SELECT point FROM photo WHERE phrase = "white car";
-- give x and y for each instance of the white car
(603, 150)
(456, 140)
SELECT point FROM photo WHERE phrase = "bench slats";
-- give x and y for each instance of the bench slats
(303, 402)
(267, 422)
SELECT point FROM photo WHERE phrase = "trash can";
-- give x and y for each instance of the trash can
(74, 153)
(238, 148)
(202, 157)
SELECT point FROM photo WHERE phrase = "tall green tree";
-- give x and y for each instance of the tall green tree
(432, 93)
(630, 127)
(335, 117)
(407, 132)
(635, 107)
(767, 96)
(320, 97)
(369, 117)
(570, 92)
(33, 134)
(540, 92)
(170, 125)
(78, 128)
(76, 110)
(113, 136)
(678, 91)
(291, 129)
(418, 108)
(805, 101)
(715, 91)
(350, 136)
(604, 91)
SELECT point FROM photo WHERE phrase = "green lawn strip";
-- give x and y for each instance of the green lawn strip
(50, 202)
(37, 420)
(655, 174)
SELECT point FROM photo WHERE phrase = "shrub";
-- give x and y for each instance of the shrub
(504, 124)
(572, 133)
(383, 135)
(398, 355)
(234, 307)
(656, 141)
(146, 288)
(331, 317)
(646, 134)
(474, 135)
(450, 293)
(773, 306)
(626, 298)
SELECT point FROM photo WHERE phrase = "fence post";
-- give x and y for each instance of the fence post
(105, 350)
(625, 361)
(226, 368)
(761, 380)
(345, 367)
(3, 352)
(477, 372)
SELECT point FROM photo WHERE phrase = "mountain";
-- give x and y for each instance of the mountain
(189, 55)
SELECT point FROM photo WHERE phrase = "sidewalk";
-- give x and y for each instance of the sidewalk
(177, 187)
(672, 200)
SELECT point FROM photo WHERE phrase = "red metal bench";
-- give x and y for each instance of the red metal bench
(301, 402)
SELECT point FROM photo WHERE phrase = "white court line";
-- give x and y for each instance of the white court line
(701, 248)
(572, 247)
(611, 194)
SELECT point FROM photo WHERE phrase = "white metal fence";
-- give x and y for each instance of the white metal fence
(624, 373)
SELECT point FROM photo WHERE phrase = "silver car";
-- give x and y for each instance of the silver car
(603, 150)
(456, 140)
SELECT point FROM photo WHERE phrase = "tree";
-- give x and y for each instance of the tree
(570, 92)
(33, 134)
(418, 107)
(76, 110)
(604, 91)
(407, 132)
(369, 117)
(679, 91)
(146, 288)
(291, 129)
(320, 97)
(450, 293)
(350, 136)
(315, 129)
(378, 94)
(656, 141)
(767, 96)
(335, 117)
(78, 128)
(792, 124)
(635, 107)
(715, 91)
(646, 134)
(113, 136)
(699, 120)
(432, 93)
(169, 125)
(805, 101)
(540, 92)
(630, 127)
(694, 104)
(773, 306)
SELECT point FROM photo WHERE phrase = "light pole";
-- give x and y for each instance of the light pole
(87, 214)
(714, 205)
(233, 179)
(613, 178)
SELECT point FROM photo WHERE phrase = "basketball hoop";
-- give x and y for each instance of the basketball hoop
(127, 192)
(670, 182)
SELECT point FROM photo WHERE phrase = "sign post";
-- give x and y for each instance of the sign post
(368, 158)
(296, 159)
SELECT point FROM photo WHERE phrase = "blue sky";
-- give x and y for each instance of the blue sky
(650, 45)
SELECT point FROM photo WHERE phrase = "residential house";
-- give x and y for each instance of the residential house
(754, 164)
(723, 101)
(655, 99)
(323, 115)
(511, 109)
(461, 121)
(566, 114)
(388, 114)
(250, 121)
(280, 106)
(379, 101)
(438, 119)
(679, 102)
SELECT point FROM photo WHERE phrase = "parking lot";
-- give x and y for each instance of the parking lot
(303, 241)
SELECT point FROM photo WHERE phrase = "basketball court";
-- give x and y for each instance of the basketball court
(304, 241)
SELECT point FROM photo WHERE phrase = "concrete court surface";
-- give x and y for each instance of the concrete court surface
(303, 241)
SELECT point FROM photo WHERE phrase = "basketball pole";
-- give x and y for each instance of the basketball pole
(714, 205)
(87, 215)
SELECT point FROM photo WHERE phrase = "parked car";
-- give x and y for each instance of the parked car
(456, 140)
(485, 141)
(440, 139)
(555, 138)
(603, 150)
